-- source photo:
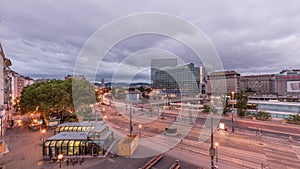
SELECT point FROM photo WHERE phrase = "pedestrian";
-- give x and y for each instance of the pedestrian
(290, 139)
(81, 160)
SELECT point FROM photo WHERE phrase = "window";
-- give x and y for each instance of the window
(64, 147)
(71, 148)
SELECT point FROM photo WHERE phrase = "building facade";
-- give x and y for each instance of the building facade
(258, 84)
(217, 81)
(287, 83)
(157, 64)
(181, 80)
(5, 63)
(18, 82)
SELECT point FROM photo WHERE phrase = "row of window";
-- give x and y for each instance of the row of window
(67, 147)
(73, 129)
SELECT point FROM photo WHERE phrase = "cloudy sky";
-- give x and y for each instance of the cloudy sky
(43, 39)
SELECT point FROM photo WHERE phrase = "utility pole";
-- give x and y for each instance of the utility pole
(1, 125)
(130, 117)
(212, 149)
(232, 112)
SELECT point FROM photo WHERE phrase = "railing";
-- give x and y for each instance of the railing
(175, 165)
(152, 162)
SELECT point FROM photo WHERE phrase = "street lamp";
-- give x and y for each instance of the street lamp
(43, 132)
(232, 110)
(1, 125)
(130, 119)
(60, 157)
(140, 130)
(212, 149)
(217, 145)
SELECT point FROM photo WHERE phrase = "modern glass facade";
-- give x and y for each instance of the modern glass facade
(94, 142)
(182, 80)
(66, 147)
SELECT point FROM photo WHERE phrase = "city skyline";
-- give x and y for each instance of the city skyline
(43, 40)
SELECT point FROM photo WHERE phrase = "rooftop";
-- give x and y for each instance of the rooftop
(70, 136)
(181, 66)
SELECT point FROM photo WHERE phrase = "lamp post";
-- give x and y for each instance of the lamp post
(217, 145)
(1, 125)
(212, 149)
(130, 118)
(140, 130)
(232, 111)
(43, 132)
(60, 157)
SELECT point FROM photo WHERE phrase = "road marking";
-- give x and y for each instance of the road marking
(294, 148)
(275, 131)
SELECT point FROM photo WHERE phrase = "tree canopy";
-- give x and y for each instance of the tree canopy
(56, 96)
(241, 103)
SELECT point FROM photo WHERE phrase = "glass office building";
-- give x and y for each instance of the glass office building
(181, 80)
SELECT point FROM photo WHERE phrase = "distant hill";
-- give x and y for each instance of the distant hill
(109, 84)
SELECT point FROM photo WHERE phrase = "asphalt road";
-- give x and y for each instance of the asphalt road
(245, 147)
(241, 149)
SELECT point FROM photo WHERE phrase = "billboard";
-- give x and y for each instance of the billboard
(293, 86)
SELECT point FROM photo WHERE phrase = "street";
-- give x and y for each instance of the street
(244, 148)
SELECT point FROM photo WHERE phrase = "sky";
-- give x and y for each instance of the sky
(43, 39)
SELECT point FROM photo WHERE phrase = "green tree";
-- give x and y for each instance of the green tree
(226, 106)
(294, 119)
(262, 115)
(83, 93)
(206, 108)
(56, 96)
(241, 103)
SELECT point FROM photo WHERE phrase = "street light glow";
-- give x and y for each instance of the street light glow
(222, 126)
(216, 144)
(60, 156)
(140, 126)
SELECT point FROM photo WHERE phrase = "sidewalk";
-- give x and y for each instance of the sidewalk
(3, 147)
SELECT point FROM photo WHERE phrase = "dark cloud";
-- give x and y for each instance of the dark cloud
(44, 38)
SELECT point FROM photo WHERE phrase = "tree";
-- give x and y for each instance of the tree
(262, 115)
(83, 93)
(56, 96)
(53, 96)
(206, 108)
(294, 119)
(226, 106)
(241, 103)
